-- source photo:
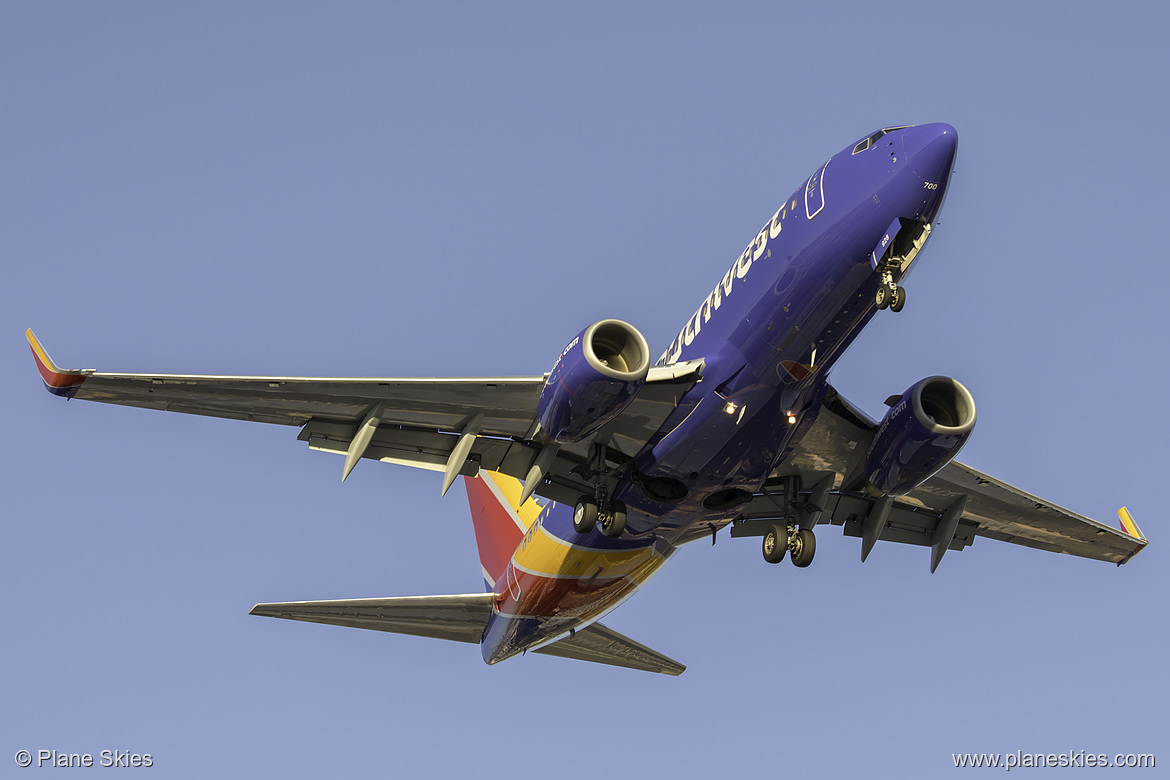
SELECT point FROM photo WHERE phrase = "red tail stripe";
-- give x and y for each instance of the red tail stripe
(496, 533)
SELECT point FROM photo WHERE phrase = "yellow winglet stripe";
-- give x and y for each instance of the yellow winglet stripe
(40, 352)
(1129, 526)
(57, 381)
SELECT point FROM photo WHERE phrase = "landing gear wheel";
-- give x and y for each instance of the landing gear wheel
(775, 544)
(614, 521)
(882, 297)
(584, 515)
(804, 547)
(899, 299)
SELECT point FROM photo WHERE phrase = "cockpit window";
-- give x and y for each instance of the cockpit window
(873, 139)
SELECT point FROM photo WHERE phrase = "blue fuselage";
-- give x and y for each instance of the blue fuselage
(768, 333)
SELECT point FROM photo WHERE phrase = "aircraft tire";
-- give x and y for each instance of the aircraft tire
(882, 297)
(899, 299)
(584, 515)
(775, 543)
(806, 548)
(614, 522)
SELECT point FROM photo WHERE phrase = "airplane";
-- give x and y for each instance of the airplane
(584, 481)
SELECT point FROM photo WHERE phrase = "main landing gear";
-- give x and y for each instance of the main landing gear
(779, 539)
(598, 508)
(587, 514)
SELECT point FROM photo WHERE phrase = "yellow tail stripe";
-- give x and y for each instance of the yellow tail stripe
(510, 488)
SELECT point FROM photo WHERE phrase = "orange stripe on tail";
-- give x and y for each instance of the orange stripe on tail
(498, 527)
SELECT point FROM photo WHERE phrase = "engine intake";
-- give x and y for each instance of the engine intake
(923, 432)
(594, 379)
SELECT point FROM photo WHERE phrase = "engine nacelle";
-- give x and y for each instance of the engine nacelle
(594, 379)
(922, 433)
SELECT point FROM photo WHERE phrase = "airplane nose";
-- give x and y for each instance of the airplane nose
(930, 153)
(931, 150)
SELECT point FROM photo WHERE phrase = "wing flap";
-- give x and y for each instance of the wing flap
(602, 645)
(430, 448)
(417, 416)
(423, 448)
(1004, 512)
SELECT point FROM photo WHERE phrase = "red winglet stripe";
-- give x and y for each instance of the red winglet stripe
(56, 378)
(56, 381)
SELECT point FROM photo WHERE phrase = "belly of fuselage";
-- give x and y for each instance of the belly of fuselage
(559, 580)
(777, 321)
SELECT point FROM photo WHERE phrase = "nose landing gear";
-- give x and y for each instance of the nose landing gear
(902, 242)
(889, 294)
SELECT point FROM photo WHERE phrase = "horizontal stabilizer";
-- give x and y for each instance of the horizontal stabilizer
(603, 645)
(458, 618)
(462, 619)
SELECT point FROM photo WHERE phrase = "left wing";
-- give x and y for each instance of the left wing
(947, 512)
(415, 422)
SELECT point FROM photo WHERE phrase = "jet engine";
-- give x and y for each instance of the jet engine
(594, 379)
(923, 431)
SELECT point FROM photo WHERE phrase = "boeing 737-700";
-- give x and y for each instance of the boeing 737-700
(584, 481)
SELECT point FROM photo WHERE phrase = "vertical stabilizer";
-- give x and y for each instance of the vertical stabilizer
(499, 518)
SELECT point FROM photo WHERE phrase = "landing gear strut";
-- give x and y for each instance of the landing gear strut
(783, 537)
(599, 507)
(780, 539)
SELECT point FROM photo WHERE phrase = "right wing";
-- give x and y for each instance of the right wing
(509, 405)
(414, 422)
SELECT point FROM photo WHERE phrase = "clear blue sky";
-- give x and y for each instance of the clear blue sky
(457, 189)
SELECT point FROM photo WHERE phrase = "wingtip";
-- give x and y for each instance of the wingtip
(1130, 527)
(57, 381)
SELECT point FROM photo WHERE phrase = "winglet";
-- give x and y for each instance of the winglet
(57, 381)
(1131, 528)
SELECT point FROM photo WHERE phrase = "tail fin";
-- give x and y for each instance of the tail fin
(500, 521)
